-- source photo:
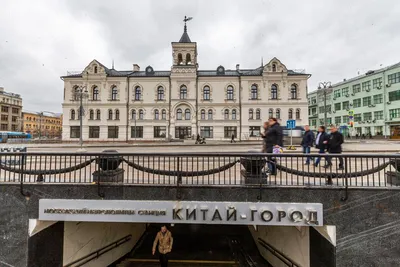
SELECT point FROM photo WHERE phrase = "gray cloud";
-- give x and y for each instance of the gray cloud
(41, 40)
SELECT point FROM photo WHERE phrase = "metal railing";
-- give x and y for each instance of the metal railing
(279, 255)
(202, 169)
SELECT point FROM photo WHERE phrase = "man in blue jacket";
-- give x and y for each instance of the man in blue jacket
(307, 142)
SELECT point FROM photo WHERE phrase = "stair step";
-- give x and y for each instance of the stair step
(176, 263)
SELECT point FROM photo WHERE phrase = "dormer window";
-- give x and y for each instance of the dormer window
(95, 69)
(273, 67)
(220, 70)
(149, 70)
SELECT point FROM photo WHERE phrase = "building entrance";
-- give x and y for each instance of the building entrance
(395, 132)
(183, 132)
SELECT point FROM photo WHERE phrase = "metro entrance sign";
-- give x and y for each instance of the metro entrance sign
(192, 212)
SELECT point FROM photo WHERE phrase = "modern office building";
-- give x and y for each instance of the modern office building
(363, 105)
(42, 124)
(182, 102)
(11, 110)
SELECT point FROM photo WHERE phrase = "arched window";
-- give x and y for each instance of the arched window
(258, 114)
(234, 114)
(270, 113)
(156, 114)
(95, 93)
(293, 91)
(138, 93)
(110, 114)
(76, 93)
(251, 113)
(72, 114)
(187, 114)
(210, 114)
(183, 92)
(117, 114)
(226, 114)
(254, 92)
(95, 69)
(133, 115)
(91, 114)
(114, 93)
(141, 114)
(203, 114)
(188, 59)
(180, 59)
(290, 114)
(274, 67)
(164, 114)
(274, 91)
(179, 114)
(160, 93)
(206, 93)
(298, 114)
(229, 92)
(278, 113)
(98, 114)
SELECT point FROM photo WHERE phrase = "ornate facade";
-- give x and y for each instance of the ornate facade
(185, 101)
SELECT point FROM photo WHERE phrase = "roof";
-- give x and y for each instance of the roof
(185, 37)
(45, 113)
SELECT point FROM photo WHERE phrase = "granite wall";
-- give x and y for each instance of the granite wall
(367, 224)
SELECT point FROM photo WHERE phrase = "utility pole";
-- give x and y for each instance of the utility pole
(81, 93)
(324, 86)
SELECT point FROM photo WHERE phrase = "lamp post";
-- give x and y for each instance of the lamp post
(81, 93)
(324, 86)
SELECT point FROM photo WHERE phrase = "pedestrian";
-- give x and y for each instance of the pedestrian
(307, 142)
(233, 139)
(321, 143)
(164, 240)
(198, 139)
(273, 138)
(335, 147)
(264, 136)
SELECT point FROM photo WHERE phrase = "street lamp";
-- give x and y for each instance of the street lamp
(81, 93)
(324, 86)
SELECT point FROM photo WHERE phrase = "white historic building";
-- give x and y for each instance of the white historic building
(151, 104)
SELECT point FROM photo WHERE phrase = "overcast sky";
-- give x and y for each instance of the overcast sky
(332, 39)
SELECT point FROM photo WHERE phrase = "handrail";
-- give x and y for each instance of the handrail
(96, 254)
(283, 258)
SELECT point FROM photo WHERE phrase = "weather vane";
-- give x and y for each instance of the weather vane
(186, 19)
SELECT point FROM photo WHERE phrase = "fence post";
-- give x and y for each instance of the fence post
(178, 178)
(346, 196)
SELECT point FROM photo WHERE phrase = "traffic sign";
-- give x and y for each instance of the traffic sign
(291, 124)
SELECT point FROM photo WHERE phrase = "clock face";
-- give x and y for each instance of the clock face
(149, 69)
(220, 69)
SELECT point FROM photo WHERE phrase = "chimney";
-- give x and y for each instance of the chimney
(136, 67)
(237, 67)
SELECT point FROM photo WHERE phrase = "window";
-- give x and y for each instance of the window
(290, 116)
(313, 122)
(336, 93)
(110, 114)
(160, 131)
(203, 114)
(206, 93)
(187, 114)
(329, 121)
(136, 131)
(138, 93)
(346, 105)
(95, 93)
(160, 93)
(113, 132)
(4, 109)
(254, 131)
(180, 59)
(141, 114)
(258, 114)
(15, 110)
(394, 113)
(366, 86)
(274, 67)
(357, 103)
(293, 91)
(298, 114)
(345, 91)
(274, 91)
(250, 114)
(313, 100)
(345, 118)
(394, 78)
(357, 117)
(210, 114)
(229, 131)
(156, 114)
(378, 115)
(114, 93)
(270, 113)
(95, 69)
(163, 114)
(377, 83)
(229, 93)
(98, 114)
(367, 116)
(378, 99)
(234, 114)
(4, 127)
(188, 59)
(183, 92)
(366, 101)
(356, 88)
(338, 120)
(254, 92)
(179, 114)
(75, 92)
(278, 113)
(206, 132)
(117, 114)
(72, 114)
(337, 106)
(4, 117)
(75, 131)
(133, 115)
(91, 114)
(394, 96)
(94, 131)
(226, 114)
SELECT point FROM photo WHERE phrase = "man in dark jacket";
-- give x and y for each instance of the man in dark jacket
(321, 143)
(307, 142)
(335, 147)
(273, 138)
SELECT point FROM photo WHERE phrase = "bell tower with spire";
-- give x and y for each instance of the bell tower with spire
(184, 52)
